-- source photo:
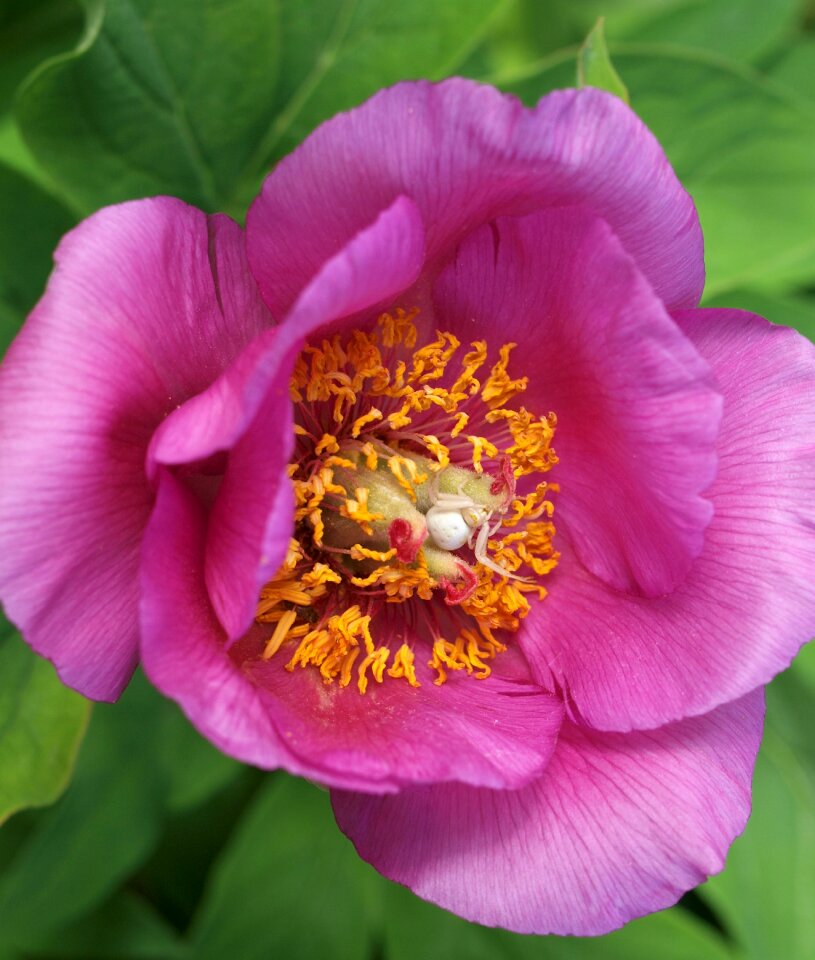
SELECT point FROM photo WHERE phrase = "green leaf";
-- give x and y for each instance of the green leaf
(289, 884)
(743, 30)
(126, 927)
(796, 69)
(804, 667)
(16, 155)
(767, 890)
(197, 98)
(789, 707)
(31, 31)
(33, 222)
(157, 98)
(415, 929)
(194, 769)
(141, 768)
(175, 876)
(594, 66)
(78, 851)
(747, 30)
(42, 723)
(742, 146)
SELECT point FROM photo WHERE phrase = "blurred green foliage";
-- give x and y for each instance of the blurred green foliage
(161, 847)
(41, 727)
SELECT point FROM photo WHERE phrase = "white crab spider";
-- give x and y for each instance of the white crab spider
(454, 519)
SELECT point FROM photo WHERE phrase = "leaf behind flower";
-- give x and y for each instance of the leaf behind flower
(594, 66)
(41, 726)
(199, 98)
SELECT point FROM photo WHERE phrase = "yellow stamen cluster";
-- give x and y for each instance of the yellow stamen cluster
(372, 408)
(531, 452)
(399, 581)
(470, 652)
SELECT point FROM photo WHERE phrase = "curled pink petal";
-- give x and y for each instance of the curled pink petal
(247, 413)
(748, 602)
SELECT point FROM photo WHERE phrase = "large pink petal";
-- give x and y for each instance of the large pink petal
(499, 733)
(749, 601)
(149, 300)
(466, 154)
(637, 409)
(247, 412)
(618, 826)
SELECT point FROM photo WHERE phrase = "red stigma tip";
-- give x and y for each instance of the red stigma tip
(458, 592)
(505, 481)
(404, 540)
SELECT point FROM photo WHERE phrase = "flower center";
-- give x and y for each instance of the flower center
(418, 545)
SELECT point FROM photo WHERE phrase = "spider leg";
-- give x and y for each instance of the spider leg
(481, 556)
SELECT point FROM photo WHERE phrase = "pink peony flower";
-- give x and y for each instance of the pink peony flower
(435, 487)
